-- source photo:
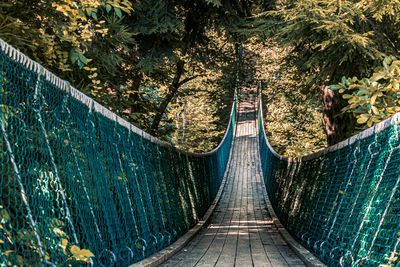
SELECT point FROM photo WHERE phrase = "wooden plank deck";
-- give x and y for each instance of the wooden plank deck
(241, 231)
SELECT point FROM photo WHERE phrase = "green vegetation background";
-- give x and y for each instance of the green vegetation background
(329, 69)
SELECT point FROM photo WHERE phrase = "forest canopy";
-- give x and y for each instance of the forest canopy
(329, 69)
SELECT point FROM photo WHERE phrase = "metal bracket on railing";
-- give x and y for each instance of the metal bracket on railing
(141, 246)
(347, 254)
(130, 254)
(111, 254)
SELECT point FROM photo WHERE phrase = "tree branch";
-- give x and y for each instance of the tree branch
(189, 79)
(173, 88)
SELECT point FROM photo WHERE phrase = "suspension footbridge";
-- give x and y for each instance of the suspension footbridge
(80, 186)
(241, 230)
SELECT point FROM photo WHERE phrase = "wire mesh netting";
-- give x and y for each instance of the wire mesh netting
(81, 186)
(342, 203)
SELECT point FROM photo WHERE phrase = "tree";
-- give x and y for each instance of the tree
(332, 39)
(292, 115)
(172, 37)
(111, 50)
(66, 37)
(373, 99)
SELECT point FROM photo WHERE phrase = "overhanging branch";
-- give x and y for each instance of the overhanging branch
(189, 79)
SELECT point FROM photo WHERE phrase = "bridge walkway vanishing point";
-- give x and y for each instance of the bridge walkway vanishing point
(241, 231)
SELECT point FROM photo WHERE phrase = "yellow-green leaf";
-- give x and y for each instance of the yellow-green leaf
(80, 253)
(86, 253)
(75, 249)
(56, 222)
(4, 216)
(377, 77)
(396, 84)
(59, 232)
(373, 99)
(362, 119)
(63, 244)
(347, 96)
(375, 110)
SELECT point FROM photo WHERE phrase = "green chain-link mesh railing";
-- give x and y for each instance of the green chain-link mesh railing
(342, 203)
(81, 186)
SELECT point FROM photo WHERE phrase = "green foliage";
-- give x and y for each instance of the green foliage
(208, 98)
(374, 99)
(65, 37)
(80, 24)
(196, 123)
(16, 235)
(110, 49)
(330, 38)
(216, 3)
(201, 111)
(382, 9)
(293, 118)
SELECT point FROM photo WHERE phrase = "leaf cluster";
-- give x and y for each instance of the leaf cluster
(374, 99)
(293, 116)
(24, 238)
(332, 39)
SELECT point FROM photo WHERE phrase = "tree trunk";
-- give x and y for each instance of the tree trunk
(330, 109)
(172, 89)
(338, 126)
(134, 95)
